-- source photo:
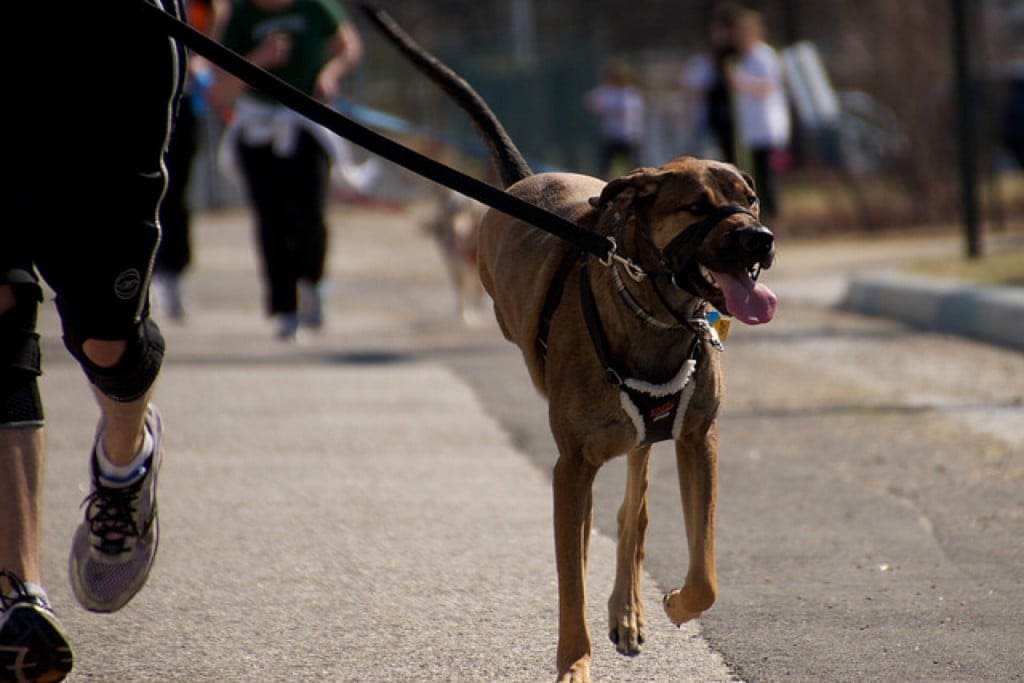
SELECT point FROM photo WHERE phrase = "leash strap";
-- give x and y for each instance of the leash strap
(390, 150)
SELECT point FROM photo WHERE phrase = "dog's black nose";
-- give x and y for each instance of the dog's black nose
(756, 239)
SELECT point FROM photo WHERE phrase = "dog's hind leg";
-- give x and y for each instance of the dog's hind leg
(573, 480)
(626, 606)
(697, 464)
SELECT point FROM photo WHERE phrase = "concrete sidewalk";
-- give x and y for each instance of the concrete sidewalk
(869, 277)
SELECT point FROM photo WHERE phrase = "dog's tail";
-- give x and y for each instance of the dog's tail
(510, 162)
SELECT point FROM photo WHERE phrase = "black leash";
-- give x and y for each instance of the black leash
(373, 142)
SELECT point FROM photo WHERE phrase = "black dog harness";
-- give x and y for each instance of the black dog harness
(657, 410)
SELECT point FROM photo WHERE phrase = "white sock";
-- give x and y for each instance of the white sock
(123, 474)
(38, 591)
(32, 589)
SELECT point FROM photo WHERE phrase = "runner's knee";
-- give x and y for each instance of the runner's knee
(122, 370)
(7, 299)
(103, 352)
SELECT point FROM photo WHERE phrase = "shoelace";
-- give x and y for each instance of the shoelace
(111, 515)
(21, 593)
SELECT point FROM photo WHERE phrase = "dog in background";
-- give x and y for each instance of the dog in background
(455, 227)
(622, 350)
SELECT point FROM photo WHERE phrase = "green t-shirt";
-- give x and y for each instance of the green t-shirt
(309, 23)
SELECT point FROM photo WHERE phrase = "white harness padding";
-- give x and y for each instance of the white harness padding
(676, 392)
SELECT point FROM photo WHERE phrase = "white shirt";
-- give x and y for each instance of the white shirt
(762, 118)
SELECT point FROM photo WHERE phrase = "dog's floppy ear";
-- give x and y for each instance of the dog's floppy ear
(642, 182)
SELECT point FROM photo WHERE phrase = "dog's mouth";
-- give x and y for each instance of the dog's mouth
(735, 292)
(742, 296)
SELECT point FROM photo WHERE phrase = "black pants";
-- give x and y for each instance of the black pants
(724, 132)
(289, 198)
(765, 181)
(175, 252)
(616, 153)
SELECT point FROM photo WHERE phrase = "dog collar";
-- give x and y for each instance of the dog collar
(637, 308)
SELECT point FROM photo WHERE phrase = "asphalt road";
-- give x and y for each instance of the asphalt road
(374, 505)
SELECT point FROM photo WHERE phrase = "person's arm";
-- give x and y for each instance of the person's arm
(271, 52)
(758, 74)
(346, 48)
(221, 11)
(212, 28)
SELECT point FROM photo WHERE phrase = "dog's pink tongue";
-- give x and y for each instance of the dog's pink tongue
(748, 301)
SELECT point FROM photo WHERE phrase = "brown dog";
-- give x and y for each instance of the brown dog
(621, 349)
(455, 228)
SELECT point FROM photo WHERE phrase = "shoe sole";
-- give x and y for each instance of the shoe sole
(46, 657)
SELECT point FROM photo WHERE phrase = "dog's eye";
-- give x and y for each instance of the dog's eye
(752, 200)
(696, 208)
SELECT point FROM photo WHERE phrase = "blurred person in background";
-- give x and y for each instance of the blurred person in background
(762, 111)
(620, 109)
(283, 158)
(174, 255)
(705, 81)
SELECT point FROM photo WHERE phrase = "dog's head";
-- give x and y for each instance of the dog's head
(699, 221)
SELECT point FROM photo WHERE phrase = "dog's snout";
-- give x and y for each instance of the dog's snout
(756, 239)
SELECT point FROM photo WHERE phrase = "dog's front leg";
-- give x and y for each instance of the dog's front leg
(697, 464)
(626, 606)
(572, 486)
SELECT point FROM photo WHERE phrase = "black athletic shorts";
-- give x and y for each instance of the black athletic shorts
(88, 112)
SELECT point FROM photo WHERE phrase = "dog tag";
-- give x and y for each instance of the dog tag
(719, 323)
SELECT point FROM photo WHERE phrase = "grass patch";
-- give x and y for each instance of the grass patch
(820, 203)
(1002, 268)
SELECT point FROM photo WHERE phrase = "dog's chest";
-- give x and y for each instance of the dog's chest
(658, 410)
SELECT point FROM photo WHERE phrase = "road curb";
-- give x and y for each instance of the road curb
(991, 314)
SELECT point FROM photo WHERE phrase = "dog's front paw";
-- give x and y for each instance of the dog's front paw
(579, 672)
(627, 631)
(686, 603)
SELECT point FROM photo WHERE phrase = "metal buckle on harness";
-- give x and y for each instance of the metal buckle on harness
(635, 272)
